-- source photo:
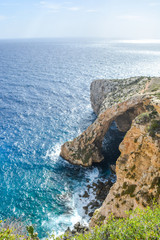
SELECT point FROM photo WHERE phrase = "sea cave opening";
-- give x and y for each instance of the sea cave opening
(110, 144)
(115, 135)
(110, 147)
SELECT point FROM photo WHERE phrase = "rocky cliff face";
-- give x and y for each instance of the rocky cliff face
(86, 149)
(137, 169)
(106, 93)
(134, 104)
(128, 99)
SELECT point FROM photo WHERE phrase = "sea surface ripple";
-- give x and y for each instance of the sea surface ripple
(44, 101)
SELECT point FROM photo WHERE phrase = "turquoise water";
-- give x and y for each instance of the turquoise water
(44, 101)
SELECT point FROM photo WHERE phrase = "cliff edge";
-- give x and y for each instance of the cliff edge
(134, 104)
(115, 100)
(137, 169)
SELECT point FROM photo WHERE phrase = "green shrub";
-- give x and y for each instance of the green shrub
(143, 118)
(15, 230)
(9, 232)
(30, 230)
(139, 225)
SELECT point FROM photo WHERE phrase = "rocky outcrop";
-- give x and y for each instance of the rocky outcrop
(78, 228)
(100, 189)
(137, 169)
(136, 97)
(106, 93)
(134, 104)
(86, 149)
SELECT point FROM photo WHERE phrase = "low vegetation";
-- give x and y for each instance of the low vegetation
(139, 225)
(154, 127)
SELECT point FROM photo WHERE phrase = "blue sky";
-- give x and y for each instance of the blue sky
(121, 19)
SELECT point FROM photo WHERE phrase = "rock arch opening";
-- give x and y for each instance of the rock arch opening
(87, 148)
(111, 142)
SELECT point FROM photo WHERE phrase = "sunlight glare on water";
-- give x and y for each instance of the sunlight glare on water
(44, 101)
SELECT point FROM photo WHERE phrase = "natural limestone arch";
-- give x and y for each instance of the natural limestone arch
(86, 148)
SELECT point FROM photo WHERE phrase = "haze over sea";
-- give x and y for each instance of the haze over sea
(44, 101)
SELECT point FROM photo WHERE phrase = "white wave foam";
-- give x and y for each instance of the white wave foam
(54, 152)
(92, 174)
(75, 203)
(61, 222)
(78, 201)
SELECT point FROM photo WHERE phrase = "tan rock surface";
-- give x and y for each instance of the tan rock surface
(86, 148)
(137, 169)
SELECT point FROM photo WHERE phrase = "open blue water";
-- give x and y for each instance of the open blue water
(44, 101)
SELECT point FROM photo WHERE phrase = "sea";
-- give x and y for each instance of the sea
(44, 102)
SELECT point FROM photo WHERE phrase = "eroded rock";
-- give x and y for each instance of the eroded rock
(117, 100)
(137, 169)
(134, 106)
(86, 149)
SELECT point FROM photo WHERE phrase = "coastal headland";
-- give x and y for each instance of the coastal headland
(134, 104)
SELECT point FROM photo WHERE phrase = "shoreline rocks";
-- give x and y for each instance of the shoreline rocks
(135, 107)
(101, 190)
(77, 229)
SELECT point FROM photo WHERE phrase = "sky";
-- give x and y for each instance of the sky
(114, 19)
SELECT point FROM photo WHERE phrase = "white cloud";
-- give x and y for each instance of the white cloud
(91, 10)
(50, 6)
(2, 17)
(56, 7)
(63, 6)
(129, 17)
(67, 2)
(73, 8)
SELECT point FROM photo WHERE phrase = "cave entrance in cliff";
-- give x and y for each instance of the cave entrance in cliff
(113, 137)
(110, 144)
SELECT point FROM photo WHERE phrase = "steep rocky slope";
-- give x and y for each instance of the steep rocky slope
(123, 102)
(134, 104)
(137, 169)
(106, 93)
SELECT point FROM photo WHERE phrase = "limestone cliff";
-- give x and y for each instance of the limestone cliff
(137, 169)
(105, 93)
(134, 104)
(121, 102)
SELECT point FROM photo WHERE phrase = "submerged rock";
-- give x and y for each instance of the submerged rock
(85, 195)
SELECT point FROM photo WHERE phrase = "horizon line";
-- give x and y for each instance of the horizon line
(116, 40)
